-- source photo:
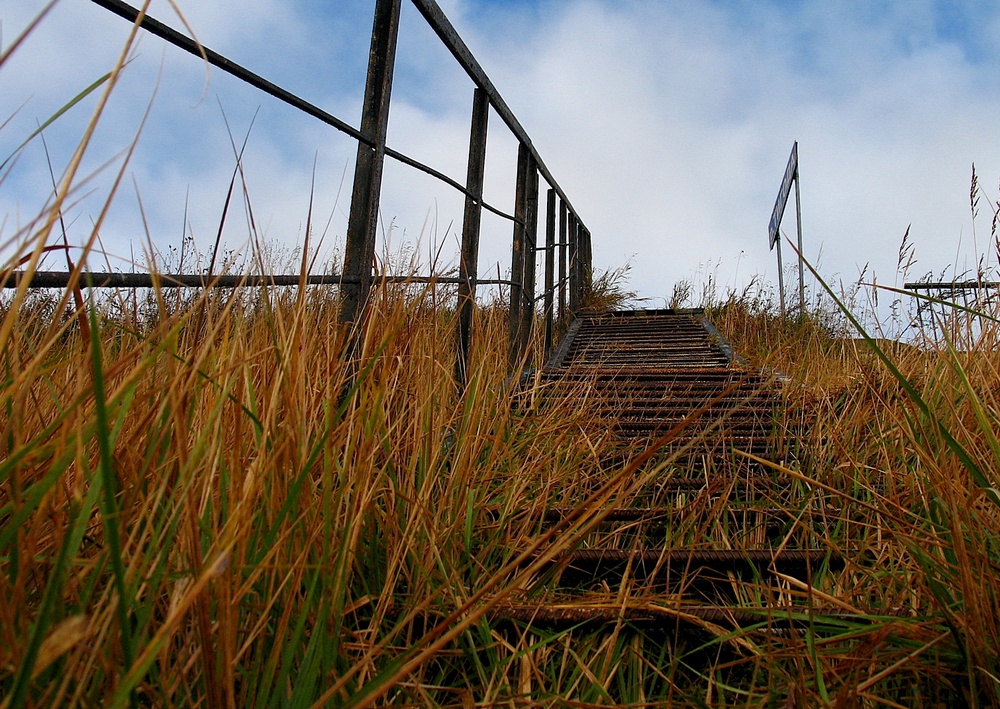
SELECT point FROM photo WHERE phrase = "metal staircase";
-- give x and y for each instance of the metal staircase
(715, 535)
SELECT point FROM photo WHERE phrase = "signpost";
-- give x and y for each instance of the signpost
(791, 175)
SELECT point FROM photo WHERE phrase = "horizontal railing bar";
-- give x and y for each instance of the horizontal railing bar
(446, 32)
(154, 26)
(555, 287)
(442, 26)
(167, 33)
(61, 279)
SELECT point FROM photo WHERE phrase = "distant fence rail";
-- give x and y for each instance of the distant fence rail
(952, 305)
(91, 279)
(567, 242)
(952, 286)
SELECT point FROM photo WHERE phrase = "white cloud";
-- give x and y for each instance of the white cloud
(668, 124)
(675, 125)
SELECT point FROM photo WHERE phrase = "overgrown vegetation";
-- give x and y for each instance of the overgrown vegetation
(200, 506)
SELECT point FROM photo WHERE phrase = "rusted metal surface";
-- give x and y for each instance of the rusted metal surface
(668, 379)
(656, 374)
(646, 340)
(362, 225)
(371, 154)
(468, 271)
(548, 299)
(96, 279)
(520, 258)
(685, 564)
(657, 614)
(90, 279)
(563, 250)
(665, 514)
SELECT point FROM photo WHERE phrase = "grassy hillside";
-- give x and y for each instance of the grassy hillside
(194, 511)
(200, 506)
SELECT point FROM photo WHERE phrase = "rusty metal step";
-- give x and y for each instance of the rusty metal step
(660, 613)
(655, 373)
(673, 338)
(667, 378)
(646, 561)
(748, 513)
(662, 515)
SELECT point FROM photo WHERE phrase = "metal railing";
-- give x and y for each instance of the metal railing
(952, 308)
(567, 244)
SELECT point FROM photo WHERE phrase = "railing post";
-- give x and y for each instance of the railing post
(469, 265)
(574, 265)
(363, 222)
(586, 262)
(563, 247)
(517, 257)
(550, 268)
(530, 255)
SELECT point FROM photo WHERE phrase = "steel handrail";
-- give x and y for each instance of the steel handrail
(573, 247)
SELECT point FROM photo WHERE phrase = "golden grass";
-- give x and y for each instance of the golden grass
(282, 542)
(200, 506)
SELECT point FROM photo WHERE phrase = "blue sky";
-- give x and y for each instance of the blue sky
(667, 123)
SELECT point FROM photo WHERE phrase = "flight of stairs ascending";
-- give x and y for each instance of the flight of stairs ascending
(709, 533)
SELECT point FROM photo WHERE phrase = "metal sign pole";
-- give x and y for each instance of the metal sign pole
(798, 226)
(781, 279)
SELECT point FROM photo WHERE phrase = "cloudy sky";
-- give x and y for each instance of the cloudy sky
(667, 123)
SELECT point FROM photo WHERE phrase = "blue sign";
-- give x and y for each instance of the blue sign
(791, 173)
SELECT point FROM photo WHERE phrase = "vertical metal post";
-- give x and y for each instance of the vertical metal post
(550, 268)
(469, 265)
(781, 280)
(563, 247)
(530, 255)
(798, 226)
(587, 262)
(363, 222)
(518, 256)
(574, 265)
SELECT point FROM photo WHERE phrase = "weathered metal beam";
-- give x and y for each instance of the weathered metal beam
(172, 36)
(951, 285)
(518, 255)
(550, 269)
(530, 255)
(363, 222)
(688, 566)
(665, 619)
(469, 263)
(61, 279)
(167, 33)
(574, 265)
(586, 262)
(563, 248)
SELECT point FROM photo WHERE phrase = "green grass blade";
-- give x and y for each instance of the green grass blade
(56, 116)
(53, 590)
(110, 484)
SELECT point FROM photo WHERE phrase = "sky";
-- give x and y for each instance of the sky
(668, 125)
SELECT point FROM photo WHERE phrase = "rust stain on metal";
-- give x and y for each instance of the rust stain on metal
(650, 373)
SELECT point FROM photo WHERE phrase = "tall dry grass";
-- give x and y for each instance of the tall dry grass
(199, 506)
(198, 512)
(195, 512)
(904, 435)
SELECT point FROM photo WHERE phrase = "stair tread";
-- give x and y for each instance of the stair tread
(548, 613)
